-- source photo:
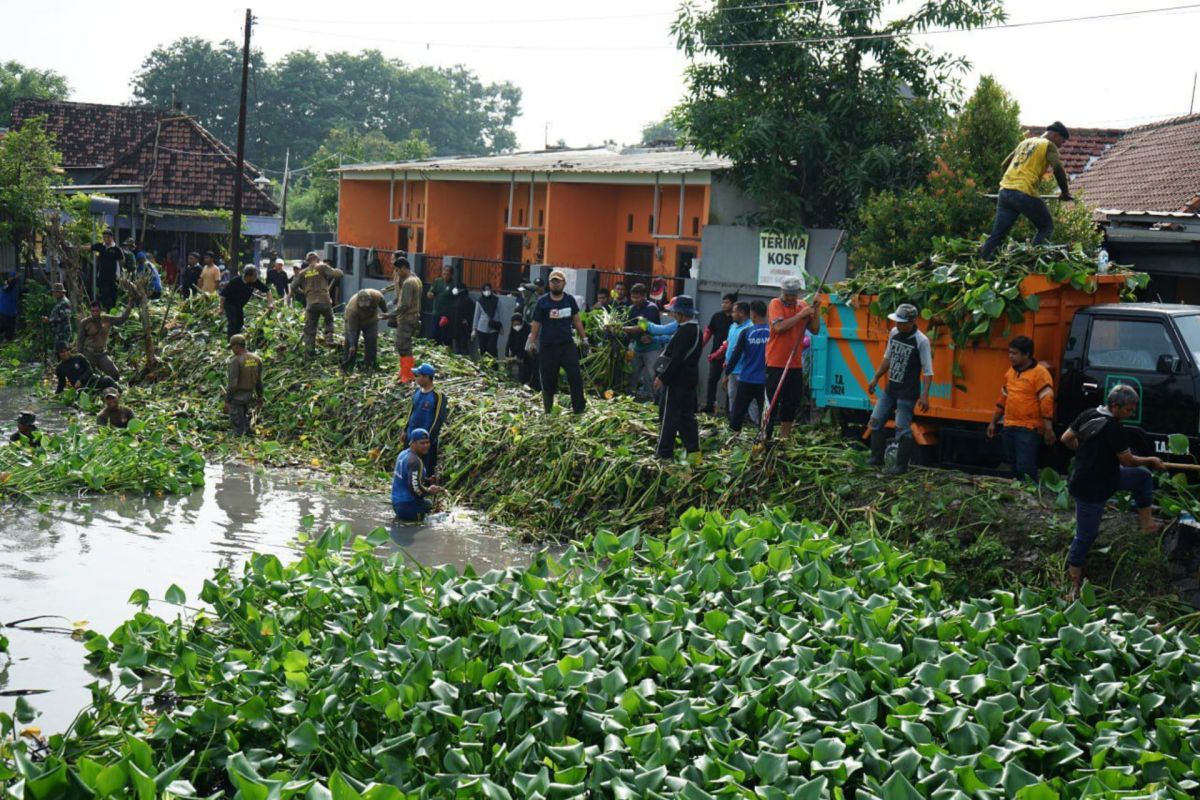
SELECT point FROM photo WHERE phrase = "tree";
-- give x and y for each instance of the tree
(661, 132)
(902, 226)
(819, 103)
(19, 82)
(299, 100)
(28, 170)
(315, 204)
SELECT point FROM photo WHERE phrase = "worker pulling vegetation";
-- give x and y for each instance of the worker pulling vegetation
(789, 317)
(113, 414)
(554, 316)
(313, 281)
(407, 314)
(411, 488)
(244, 386)
(1104, 465)
(1020, 187)
(93, 338)
(237, 293)
(1026, 409)
(429, 410)
(908, 364)
(27, 430)
(362, 316)
(76, 371)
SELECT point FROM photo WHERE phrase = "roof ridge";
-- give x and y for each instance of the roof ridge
(1164, 123)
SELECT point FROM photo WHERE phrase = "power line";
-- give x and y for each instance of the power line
(755, 43)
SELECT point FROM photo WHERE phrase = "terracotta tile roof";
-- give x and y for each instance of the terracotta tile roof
(1153, 167)
(177, 161)
(89, 134)
(1085, 146)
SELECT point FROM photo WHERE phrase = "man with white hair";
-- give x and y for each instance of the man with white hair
(789, 317)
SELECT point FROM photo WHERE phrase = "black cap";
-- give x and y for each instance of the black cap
(60, 346)
(1059, 128)
(400, 261)
(193, 254)
(26, 418)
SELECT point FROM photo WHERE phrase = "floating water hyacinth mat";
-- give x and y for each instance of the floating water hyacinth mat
(750, 657)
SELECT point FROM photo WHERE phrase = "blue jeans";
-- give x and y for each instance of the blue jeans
(885, 405)
(1011, 205)
(412, 512)
(1138, 480)
(1021, 449)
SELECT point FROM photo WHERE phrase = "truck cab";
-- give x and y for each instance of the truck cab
(1153, 347)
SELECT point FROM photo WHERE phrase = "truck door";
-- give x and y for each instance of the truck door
(1143, 352)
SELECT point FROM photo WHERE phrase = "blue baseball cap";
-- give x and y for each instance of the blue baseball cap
(425, 369)
(418, 434)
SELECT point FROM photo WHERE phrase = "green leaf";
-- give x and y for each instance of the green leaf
(140, 597)
(1177, 443)
(770, 767)
(175, 595)
(303, 739)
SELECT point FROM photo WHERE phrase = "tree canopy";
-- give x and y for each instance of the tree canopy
(661, 132)
(28, 170)
(298, 101)
(819, 104)
(19, 82)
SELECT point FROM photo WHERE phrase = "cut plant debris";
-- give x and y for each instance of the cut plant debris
(755, 656)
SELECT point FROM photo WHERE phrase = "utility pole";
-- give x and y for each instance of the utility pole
(287, 157)
(235, 241)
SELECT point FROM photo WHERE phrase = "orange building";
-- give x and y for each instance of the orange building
(635, 210)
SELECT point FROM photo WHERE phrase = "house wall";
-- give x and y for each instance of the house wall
(462, 219)
(363, 215)
(582, 220)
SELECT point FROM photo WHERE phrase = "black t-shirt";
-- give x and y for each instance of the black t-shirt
(557, 319)
(279, 280)
(1097, 474)
(110, 258)
(75, 369)
(516, 341)
(237, 292)
(719, 325)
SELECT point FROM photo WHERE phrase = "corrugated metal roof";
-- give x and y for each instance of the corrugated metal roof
(592, 159)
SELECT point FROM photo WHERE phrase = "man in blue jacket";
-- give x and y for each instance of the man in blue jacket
(748, 360)
(428, 413)
(411, 487)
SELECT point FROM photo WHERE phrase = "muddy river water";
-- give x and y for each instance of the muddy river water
(77, 561)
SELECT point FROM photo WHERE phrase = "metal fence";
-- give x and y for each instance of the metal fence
(610, 278)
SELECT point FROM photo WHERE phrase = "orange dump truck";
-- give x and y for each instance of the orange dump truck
(1090, 341)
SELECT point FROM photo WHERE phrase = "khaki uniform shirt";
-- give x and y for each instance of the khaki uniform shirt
(408, 299)
(117, 417)
(245, 375)
(363, 308)
(314, 282)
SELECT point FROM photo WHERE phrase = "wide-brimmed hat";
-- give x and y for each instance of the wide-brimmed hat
(682, 304)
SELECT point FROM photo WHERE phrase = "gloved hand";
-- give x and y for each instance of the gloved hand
(443, 322)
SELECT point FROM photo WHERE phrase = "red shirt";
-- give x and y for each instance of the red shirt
(781, 343)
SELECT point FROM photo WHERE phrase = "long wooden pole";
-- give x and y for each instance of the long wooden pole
(235, 241)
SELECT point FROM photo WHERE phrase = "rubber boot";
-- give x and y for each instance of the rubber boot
(878, 445)
(904, 453)
(406, 370)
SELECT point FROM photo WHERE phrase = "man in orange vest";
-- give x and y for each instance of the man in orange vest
(1020, 187)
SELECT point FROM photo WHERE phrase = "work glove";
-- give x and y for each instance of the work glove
(443, 322)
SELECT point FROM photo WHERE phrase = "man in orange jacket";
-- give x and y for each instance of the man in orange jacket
(1026, 406)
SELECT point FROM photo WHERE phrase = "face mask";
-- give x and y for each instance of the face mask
(454, 291)
(517, 326)
(487, 292)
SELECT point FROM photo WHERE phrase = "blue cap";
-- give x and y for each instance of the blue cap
(425, 369)
(418, 434)
(140, 255)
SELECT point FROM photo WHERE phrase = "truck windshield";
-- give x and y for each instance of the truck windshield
(1189, 328)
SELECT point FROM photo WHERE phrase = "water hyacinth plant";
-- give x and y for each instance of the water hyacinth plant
(753, 657)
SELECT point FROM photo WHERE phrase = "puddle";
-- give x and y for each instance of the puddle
(81, 560)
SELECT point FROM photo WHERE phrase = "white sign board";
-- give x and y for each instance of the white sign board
(781, 256)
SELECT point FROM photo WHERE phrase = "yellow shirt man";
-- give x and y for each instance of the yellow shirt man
(1019, 188)
(1027, 164)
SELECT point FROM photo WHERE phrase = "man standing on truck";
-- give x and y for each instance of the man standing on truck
(1020, 187)
(1104, 466)
(908, 364)
(1026, 406)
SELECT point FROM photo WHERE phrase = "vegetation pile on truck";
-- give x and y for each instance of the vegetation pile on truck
(970, 310)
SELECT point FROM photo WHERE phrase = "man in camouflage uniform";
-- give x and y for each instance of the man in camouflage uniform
(93, 339)
(362, 317)
(244, 386)
(313, 280)
(62, 326)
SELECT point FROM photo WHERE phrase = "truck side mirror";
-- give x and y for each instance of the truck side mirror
(1167, 364)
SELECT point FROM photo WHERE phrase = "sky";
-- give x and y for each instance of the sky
(593, 71)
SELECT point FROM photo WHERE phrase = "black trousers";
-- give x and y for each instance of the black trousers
(235, 318)
(746, 394)
(108, 294)
(8, 327)
(551, 359)
(677, 415)
(488, 342)
(790, 395)
(714, 381)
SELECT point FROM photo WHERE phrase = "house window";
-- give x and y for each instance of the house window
(629, 224)
(695, 226)
(651, 224)
(504, 218)
(520, 216)
(541, 217)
